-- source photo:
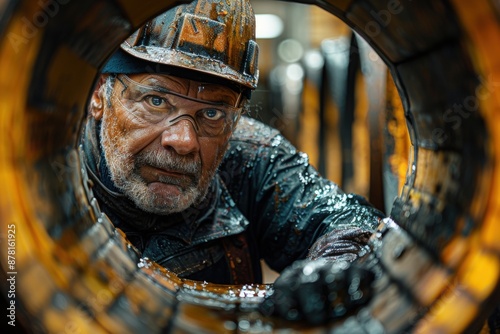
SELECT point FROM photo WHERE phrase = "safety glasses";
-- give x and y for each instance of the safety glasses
(213, 111)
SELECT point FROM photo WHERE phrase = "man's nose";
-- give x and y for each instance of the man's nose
(181, 137)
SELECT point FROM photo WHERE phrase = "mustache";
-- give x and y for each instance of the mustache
(186, 165)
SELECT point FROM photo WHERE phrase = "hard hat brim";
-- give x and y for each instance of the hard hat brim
(182, 60)
(122, 62)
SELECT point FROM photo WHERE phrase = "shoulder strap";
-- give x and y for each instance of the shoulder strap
(238, 259)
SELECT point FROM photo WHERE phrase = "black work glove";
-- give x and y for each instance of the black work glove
(318, 291)
(346, 244)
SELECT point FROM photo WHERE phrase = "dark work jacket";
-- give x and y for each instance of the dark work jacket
(266, 201)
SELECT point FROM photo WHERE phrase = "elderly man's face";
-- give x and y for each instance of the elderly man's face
(162, 150)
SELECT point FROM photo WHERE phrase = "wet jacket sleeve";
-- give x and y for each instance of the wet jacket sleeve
(294, 213)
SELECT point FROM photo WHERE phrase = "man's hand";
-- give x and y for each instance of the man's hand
(318, 291)
(346, 244)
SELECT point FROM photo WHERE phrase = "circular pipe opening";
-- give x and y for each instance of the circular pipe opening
(438, 258)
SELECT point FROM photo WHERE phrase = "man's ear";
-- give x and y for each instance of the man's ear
(98, 98)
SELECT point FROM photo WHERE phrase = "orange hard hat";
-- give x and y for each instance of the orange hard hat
(214, 37)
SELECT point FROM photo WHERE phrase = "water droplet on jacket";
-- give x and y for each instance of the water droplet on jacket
(292, 314)
(230, 325)
(339, 310)
(276, 141)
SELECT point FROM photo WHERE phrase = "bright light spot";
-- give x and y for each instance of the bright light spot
(314, 59)
(268, 26)
(290, 50)
(373, 56)
(295, 72)
(295, 76)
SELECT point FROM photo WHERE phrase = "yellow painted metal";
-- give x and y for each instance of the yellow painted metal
(56, 276)
(397, 161)
(479, 273)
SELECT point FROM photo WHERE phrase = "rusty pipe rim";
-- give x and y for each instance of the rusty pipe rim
(439, 253)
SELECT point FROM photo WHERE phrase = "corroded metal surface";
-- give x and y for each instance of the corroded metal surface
(437, 261)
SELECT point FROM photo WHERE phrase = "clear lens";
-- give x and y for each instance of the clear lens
(213, 111)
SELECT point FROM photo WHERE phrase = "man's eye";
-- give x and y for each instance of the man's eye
(213, 114)
(155, 101)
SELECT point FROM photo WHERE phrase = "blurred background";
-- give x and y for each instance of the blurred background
(330, 94)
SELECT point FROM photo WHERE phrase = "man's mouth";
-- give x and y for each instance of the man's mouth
(175, 177)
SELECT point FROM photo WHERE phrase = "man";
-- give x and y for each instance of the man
(196, 186)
